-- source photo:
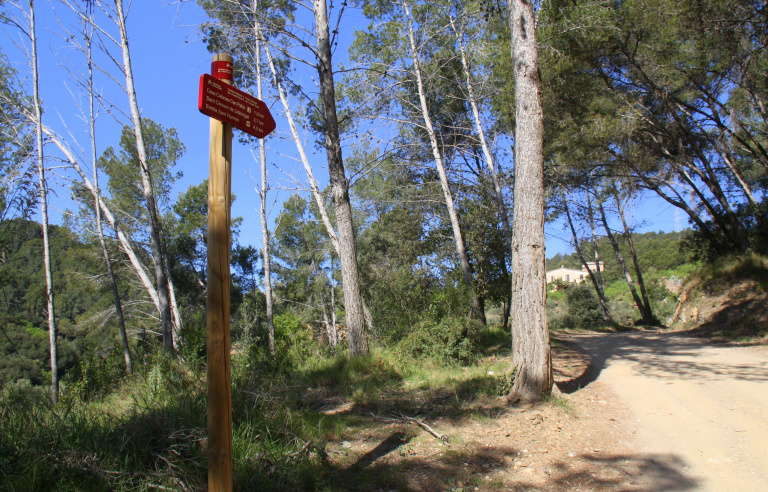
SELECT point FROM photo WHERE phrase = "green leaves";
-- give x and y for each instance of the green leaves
(123, 167)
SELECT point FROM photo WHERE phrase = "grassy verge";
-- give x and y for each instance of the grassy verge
(149, 433)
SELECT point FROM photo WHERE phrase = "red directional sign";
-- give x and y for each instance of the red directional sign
(233, 106)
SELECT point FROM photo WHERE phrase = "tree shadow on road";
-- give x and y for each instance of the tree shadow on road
(657, 355)
(502, 468)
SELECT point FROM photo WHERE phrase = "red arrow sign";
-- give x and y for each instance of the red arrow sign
(233, 106)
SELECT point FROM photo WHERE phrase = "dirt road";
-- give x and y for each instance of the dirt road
(702, 407)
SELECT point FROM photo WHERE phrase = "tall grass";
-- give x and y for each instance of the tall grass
(148, 431)
(150, 435)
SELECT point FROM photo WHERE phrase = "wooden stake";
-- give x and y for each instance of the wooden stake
(219, 382)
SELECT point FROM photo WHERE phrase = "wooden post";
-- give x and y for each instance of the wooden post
(219, 382)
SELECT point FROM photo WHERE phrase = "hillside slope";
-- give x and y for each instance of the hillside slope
(728, 300)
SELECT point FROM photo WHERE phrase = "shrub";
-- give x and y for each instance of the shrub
(583, 309)
(294, 338)
(452, 340)
(95, 375)
(623, 311)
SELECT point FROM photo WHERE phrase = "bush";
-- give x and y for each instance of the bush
(623, 311)
(583, 311)
(452, 340)
(294, 338)
(583, 307)
(295, 347)
(95, 375)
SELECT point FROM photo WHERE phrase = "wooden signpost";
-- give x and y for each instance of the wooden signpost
(227, 107)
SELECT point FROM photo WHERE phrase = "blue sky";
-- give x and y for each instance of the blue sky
(168, 57)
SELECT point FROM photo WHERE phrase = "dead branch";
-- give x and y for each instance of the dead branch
(410, 420)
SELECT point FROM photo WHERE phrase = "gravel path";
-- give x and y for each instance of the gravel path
(701, 408)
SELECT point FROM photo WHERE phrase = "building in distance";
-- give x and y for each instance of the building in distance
(571, 275)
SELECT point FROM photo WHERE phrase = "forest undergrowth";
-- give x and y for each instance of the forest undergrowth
(147, 431)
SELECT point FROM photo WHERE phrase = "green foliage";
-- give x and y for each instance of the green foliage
(80, 446)
(494, 339)
(295, 348)
(18, 179)
(715, 246)
(186, 230)
(662, 258)
(583, 309)
(655, 250)
(556, 295)
(293, 338)
(83, 300)
(726, 271)
(564, 260)
(194, 334)
(396, 250)
(680, 272)
(361, 378)
(303, 263)
(633, 96)
(616, 289)
(452, 340)
(94, 375)
(164, 149)
(448, 301)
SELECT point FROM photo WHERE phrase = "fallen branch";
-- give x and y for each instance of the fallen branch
(427, 428)
(404, 418)
(301, 451)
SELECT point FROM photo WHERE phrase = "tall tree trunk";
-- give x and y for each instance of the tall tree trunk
(176, 324)
(647, 318)
(505, 316)
(531, 353)
(52, 329)
(593, 275)
(315, 190)
(155, 237)
(266, 258)
(635, 263)
(598, 260)
(333, 334)
(476, 311)
(97, 194)
(353, 300)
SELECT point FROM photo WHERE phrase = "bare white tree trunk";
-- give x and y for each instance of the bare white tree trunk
(266, 258)
(125, 243)
(461, 251)
(43, 188)
(88, 30)
(156, 240)
(333, 334)
(531, 354)
(472, 98)
(175, 312)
